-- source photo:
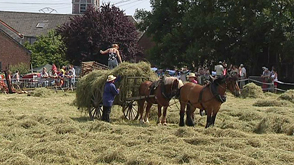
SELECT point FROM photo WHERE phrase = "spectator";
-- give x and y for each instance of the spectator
(265, 78)
(72, 69)
(109, 94)
(113, 54)
(44, 77)
(16, 77)
(219, 69)
(192, 77)
(69, 76)
(243, 76)
(274, 77)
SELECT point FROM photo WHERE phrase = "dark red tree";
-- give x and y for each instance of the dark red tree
(84, 35)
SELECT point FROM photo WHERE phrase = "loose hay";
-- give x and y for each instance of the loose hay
(252, 90)
(41, 92)
(90, 87)
(270, 103)
(288, 95)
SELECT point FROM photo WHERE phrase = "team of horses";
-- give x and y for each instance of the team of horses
(190, 95)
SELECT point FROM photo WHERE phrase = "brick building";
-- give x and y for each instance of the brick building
(12, 52)
(80, 6)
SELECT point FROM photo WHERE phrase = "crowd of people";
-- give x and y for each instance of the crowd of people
(60, 78)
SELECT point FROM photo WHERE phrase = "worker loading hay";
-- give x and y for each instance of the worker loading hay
(129, 77)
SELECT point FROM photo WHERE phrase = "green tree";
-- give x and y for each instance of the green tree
(96, 30)
(48, 49)
(198, 32)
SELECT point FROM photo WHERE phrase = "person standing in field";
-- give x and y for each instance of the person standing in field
(113, 54)
(109, 94)
(242, 76)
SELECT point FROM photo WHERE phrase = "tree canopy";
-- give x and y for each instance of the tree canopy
(199, 32)
(47, 49)
(96, 30)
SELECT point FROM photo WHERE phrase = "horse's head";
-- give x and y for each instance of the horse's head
(232, 84)
(172, 86)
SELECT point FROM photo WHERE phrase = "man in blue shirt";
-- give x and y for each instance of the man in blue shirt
(109, 94)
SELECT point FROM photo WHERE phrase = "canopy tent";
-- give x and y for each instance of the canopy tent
(39, 69)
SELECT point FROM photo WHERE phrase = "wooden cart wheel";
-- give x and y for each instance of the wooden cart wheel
(130, 110)
(95, 112)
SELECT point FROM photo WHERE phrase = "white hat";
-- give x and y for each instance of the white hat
(241, 65)
(110, 78)
(191, 75)
(264, 68)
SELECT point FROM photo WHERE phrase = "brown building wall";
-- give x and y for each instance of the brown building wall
(11, 53)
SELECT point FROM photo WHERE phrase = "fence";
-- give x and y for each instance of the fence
(282, 86)
(37, 82)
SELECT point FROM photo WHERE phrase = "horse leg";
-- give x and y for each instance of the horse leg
(147, 112)
(190, 115)
(159, 114)
(182, 114)
(163, 120)
(209, 119)
(213, 118)
(140, 108)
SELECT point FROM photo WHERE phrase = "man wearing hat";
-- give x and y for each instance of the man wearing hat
(109, 94)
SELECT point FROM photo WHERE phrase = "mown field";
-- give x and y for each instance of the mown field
(50, 130)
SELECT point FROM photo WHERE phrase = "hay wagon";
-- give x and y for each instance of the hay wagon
(127, 98)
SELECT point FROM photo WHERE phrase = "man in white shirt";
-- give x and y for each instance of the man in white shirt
(242, 75)
(219, 69)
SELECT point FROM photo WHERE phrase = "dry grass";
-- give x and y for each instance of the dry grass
(50, 130)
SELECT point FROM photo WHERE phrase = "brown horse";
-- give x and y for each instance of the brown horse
(209, 98)
(159, 92)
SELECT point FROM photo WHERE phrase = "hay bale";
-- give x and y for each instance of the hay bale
(252, 90)
(93, 83)
(288, 95)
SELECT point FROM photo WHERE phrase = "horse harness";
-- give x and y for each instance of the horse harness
(213, 90)
(155, 85)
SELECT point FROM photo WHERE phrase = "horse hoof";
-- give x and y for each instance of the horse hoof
(142, 122)
(165, 124)
(181, 124)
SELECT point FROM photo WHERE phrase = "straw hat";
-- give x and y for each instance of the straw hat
(191, 75)
(110, 78)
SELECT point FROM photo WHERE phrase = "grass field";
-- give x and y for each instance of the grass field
(51, 130)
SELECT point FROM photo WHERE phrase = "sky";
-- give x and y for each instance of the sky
(65, 6)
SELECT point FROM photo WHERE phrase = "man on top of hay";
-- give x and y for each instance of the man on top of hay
(113, 54)
(109, 94)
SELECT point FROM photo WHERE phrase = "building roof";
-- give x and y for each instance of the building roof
(33, 24)
(36, 24)
(11, 31)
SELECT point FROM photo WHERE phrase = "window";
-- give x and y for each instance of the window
(83, 8)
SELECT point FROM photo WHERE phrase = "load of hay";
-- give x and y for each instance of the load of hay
(252, 90)
(93, 83)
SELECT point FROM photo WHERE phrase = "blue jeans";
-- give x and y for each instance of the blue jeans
(112, 63)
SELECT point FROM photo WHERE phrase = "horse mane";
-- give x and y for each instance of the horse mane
(220, 80)
(170, 81)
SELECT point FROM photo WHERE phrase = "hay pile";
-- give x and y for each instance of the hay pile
(252, 90)
(41, 92)
(288, 95)
(93, 83)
